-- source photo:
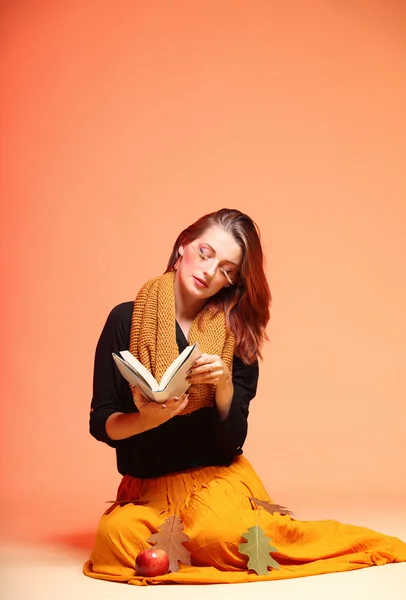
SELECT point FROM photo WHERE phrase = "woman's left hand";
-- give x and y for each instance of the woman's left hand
(209, 368)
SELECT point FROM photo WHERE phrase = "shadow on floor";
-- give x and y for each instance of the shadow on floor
(82, 541)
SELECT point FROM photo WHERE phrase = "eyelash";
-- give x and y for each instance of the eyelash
(222, 270)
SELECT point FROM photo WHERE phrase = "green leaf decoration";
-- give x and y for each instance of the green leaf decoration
(258, 549)
(170, 537)
(272, 508)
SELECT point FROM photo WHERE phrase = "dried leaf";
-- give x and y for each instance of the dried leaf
(258, 550)
(272, 508)
(170, 538)
(135, 501)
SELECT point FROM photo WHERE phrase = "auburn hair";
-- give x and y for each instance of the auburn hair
(247, 303)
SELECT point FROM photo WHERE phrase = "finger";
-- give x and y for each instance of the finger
(180, 407)
(206, 368)
(203, 379)
(204, 358)
(204, 375)
(174, 401)
(169, 405)
(139, 399)
(136, 395)
(200, 360)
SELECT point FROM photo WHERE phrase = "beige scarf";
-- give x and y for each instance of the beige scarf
(153, 336)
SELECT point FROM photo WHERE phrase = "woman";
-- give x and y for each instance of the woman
(185, 458)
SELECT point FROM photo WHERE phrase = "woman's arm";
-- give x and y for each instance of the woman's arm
(230, 432)
(120, 426)
(224, 397)
(111, 393)
(234, 393)
(114, 415)
(210, 368)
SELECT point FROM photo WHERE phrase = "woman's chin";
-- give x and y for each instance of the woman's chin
(194, 290)
(198, 292)
(202, 294)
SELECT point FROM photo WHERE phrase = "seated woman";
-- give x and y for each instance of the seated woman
(185, 457)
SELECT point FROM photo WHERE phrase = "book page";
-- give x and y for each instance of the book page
(138, 368)
(182, 363)
(133, 378)
(173, 382)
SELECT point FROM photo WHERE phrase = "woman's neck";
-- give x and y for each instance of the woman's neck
(186, 308)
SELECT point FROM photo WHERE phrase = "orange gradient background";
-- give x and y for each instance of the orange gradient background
(125, 121)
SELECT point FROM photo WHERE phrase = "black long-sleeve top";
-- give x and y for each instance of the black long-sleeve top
(183, 442)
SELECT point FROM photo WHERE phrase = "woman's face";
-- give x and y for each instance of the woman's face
(209, 263)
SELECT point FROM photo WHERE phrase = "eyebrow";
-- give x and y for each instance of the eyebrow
(213, 250)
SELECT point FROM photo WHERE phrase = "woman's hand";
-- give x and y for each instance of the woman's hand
(120, 426)
(209, 368)
(154, 414)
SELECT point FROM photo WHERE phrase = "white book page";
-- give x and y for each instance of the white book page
(128, 372)
(139, 368)
(180, 365)
(133, 378)
(176, 387)
(173, 382)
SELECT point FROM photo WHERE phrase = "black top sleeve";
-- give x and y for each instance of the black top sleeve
(110, 389)
(186, 441)
(232, 431)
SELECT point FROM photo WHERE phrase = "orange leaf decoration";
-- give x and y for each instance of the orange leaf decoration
(272, 508)
(170, 537)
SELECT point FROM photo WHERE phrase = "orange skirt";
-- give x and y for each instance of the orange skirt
(214, 505)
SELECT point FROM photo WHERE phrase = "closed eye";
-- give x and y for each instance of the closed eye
(223, 271)
(226, 275)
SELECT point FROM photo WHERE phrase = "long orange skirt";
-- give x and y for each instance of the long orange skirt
(214, 505)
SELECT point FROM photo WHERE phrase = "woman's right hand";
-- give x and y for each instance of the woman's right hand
(120, 426)
(153, 413)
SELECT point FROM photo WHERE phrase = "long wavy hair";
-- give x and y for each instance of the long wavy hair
(247, 303)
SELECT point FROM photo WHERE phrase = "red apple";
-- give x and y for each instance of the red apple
(152, 562)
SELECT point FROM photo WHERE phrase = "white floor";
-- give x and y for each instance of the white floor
(55, 572)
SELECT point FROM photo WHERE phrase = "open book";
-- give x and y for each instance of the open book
(173, 382)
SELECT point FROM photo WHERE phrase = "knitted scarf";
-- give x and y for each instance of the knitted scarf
(153, 336)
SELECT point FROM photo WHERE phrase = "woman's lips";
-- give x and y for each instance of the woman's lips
(200, 282)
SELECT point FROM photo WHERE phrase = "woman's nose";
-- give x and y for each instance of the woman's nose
(210, 269)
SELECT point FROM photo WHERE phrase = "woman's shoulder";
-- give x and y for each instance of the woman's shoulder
(121, 311)
(116, 330)
(241, 369)
(120, 315)
(238, 361)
